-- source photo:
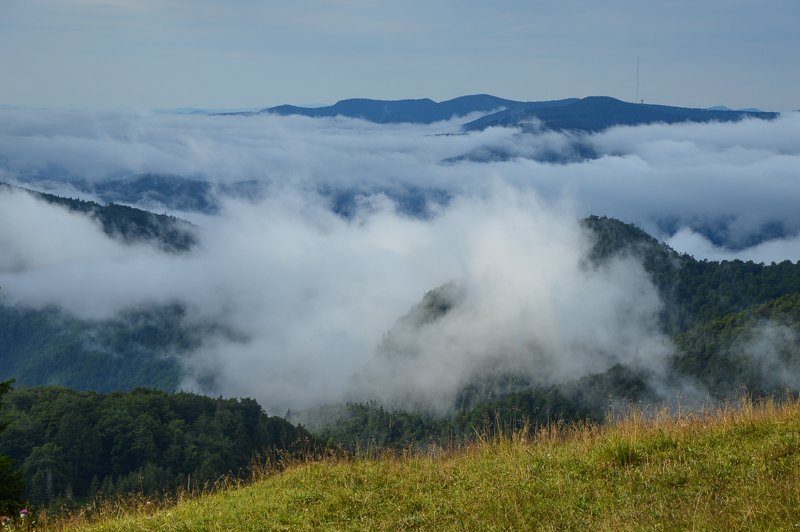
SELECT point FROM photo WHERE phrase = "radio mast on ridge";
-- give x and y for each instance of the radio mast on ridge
(637, 81)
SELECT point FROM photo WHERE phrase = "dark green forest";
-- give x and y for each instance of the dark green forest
(756, 351)
(758, 348)
(74, 446)
(365, 427)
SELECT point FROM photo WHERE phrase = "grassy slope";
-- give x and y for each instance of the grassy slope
(730, 469)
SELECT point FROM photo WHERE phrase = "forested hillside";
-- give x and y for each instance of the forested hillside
(128, 223)
(693, 291)
(76, 445)
(12, 485)
(364, 427)
(158, 191)
(758, 348)
(137, 348)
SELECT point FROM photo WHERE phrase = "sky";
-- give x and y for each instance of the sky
(312, 294)
(166, 54)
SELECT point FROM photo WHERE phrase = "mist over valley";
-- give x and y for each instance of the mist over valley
(303, 257)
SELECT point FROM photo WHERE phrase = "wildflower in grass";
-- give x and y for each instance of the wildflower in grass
(23, 513)
(5, 521)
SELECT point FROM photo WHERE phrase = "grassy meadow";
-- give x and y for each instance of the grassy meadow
(727, 467)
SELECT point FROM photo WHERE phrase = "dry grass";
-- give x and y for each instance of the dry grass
(726, 467)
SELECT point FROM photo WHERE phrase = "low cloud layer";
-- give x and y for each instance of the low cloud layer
(523, 302)
(311, 293)
(735, 184)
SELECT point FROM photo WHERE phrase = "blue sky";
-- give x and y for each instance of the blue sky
(110, 54)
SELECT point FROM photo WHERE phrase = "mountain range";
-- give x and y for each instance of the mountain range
(590, 114)
(422, 111)
(597, 113)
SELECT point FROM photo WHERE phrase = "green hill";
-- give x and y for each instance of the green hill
(75, 446)
(758, 348)
(693, 291)
(723, 469)
(137, 347)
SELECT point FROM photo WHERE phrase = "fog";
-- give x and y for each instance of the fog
(311, 293)
(733, 183)
(523, 302)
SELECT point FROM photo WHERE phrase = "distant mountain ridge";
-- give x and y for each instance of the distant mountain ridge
(591, 114)
(422, 111)
(597, 113)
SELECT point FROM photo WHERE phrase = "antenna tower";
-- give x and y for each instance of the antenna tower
(637, 81)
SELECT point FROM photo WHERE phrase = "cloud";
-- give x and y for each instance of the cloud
(733, 183)
(293, 149)
(524, 302)
(311, 293)
(771, 349)
(696, 245)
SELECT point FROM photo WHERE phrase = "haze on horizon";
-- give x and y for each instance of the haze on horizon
(143, 54)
